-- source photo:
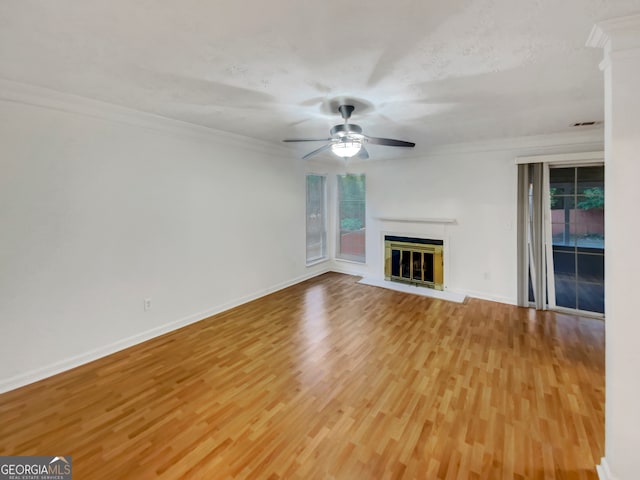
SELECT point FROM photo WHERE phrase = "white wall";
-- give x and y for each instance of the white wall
(97, 214)
(474, 184)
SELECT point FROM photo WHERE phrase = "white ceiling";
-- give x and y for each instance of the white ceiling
(428, 71)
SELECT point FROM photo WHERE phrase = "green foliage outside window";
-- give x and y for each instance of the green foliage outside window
(594, 198)
(350, 224)
(554, 199)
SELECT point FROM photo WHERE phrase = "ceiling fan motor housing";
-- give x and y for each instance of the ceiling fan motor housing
(346, 129)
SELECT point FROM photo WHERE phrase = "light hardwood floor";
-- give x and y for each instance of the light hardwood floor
(331, 379)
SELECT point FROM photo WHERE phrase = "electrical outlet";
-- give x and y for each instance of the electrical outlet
(147, 304)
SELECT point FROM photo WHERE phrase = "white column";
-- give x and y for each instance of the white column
(620, 39)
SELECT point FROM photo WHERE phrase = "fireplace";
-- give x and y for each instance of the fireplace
(416, 261)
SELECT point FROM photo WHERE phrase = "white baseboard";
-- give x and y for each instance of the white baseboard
(35, 375)
(485, 296)
(604, 472)
(347, 269)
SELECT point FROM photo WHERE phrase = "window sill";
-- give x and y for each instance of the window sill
(317, 262)
(351, 261)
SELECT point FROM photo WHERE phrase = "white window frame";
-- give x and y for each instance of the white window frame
(325, 223)
(339, 255)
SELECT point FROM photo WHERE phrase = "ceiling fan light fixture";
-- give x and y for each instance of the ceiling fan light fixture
(347, 140)
(347, 148)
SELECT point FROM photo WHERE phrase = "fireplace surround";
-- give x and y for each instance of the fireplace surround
(417, 261)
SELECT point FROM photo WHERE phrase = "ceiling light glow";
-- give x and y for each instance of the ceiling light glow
(346, 149)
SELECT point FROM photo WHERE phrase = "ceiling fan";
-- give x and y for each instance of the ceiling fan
(347, 139)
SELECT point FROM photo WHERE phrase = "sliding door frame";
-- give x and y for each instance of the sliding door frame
(548, 234)
(568, 160)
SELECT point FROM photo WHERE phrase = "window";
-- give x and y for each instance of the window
(351, 217)
(316, 218)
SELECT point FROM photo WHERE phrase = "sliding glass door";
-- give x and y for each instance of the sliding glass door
(561, 236)
(576, 201)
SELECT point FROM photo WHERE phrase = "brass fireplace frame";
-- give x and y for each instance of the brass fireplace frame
(410, 248)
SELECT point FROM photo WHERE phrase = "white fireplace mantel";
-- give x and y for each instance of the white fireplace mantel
(443, 221)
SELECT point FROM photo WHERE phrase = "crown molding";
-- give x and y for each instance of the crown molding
(590, 140)
(597, 37)
(626, 29)
(26, 94)
(618, 37)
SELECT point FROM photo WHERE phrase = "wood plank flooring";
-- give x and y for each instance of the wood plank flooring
(330, 379)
